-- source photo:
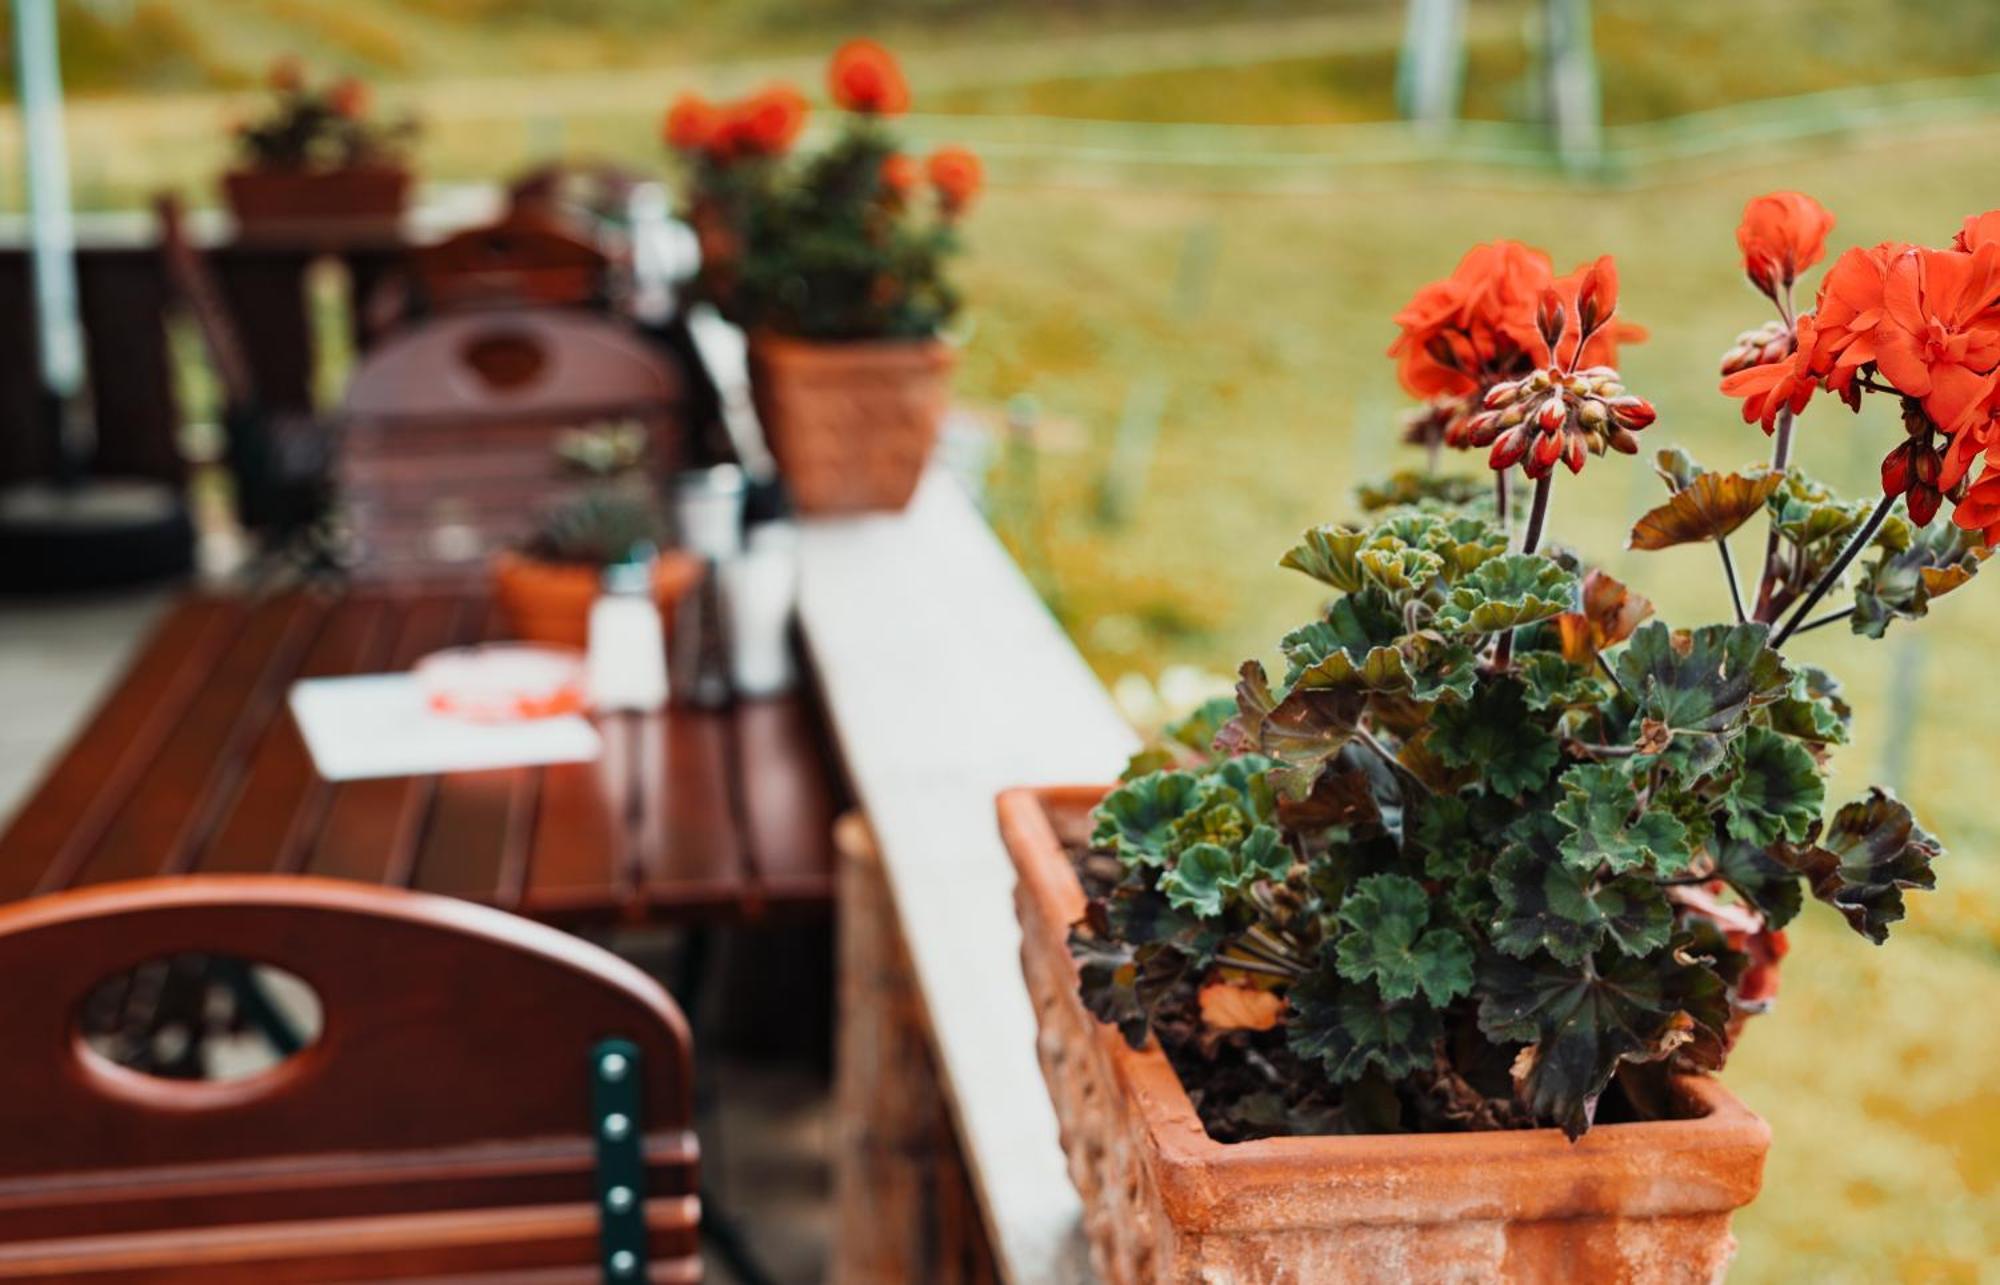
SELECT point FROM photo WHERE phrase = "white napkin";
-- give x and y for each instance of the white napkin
(372, 725)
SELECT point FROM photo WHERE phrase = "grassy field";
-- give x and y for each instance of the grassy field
(1254, 321)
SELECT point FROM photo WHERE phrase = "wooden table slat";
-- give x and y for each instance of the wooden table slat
(475, 846)
(156, 824)
(787, 807)
(61, 820)
(689, 847)
(277, 810)
(373, 828)
(580, 852)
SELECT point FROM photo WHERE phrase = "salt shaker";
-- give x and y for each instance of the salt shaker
(626, 667)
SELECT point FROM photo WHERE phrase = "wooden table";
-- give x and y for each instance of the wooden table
(193, 764)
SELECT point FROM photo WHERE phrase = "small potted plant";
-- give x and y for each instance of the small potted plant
(317, 156)
(1413, 961)
(835, 263)
(547, 584)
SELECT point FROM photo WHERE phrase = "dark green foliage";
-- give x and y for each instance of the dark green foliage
(1872, 852)
(828, 254)
(1914, 567)
(1453, 865)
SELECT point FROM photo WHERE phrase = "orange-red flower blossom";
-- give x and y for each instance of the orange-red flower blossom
(1978, 230)
(692, 124)
(1781, 235)
(287, 74)
(899, 175)
(1979, 510)
(348, 98)
(864, 77)
(1939, 340)
(1785, 384)
(1477, 326)
(957, 175)
(765, 124)
(1849, 311)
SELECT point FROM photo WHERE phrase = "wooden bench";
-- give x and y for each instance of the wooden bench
(451, 1119)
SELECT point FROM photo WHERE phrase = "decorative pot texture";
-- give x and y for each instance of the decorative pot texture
(265, 198)
(549, 602)
(1646, 1202)
(851, 424)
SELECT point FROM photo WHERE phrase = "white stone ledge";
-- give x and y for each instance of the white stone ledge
(946, 681)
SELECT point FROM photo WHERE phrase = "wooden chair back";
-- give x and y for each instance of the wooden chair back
(446, 442)
(529, 257)
(441, 1123)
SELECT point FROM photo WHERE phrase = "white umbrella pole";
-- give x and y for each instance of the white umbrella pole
(52, 228)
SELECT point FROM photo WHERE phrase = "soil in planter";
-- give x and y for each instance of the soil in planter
(1249, 1084)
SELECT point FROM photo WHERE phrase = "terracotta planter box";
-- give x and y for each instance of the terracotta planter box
(549, 602)
(1645, 1202)
(267, 199)
(851, 424)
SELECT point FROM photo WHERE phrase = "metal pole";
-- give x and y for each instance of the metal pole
(1575, 106)
(1431, 69)
(52, 228)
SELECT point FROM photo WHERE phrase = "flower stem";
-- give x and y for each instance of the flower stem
(1839, 568)
(1531, 540)
(1767, 583)
(1729, 571)
(1830, 618)
(1500, 498)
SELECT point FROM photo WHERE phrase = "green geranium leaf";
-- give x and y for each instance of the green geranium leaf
(1353, 646)
(1136, 820)
(1913, 568)
(1760, 879)
(1551, 682)
(1775, 790)
(1506, 592)
(1302, 732)
(1494, 733)
(1386, 942)
(1547, 904)
(1812, 709)
(1196, 732)
(1348, 1027)
(1597, 807)
(1677, 468)
(1703, 681)
(1327, 554)
(1582, 1019)
(1205, 874)
(1413, 486)
(1873, 851)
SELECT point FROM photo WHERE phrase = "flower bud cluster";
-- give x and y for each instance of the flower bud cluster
(1552, 415)
(1769, 343)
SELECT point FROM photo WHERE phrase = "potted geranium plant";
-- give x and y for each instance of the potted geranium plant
(546, 585)
(317, 155)
(835, 263)
(1414, 962)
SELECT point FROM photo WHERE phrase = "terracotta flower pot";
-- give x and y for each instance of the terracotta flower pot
(1644, 1202)
(262, 199)
(549, 602)
(851, 424)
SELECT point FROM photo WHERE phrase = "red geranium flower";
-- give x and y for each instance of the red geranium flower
(864, 77)
(1475, 326)
(765, 124)
(1979, 229)
(1979, 510)
(1939, 340)
(1849, 311)
(1595, 284)
(348, 98)
(1782, 234)
(899, 175)
(692, 124)
(287, 74)
(957, 176)
(1785, 384)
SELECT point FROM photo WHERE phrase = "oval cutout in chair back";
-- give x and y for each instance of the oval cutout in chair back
(194, 1017)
